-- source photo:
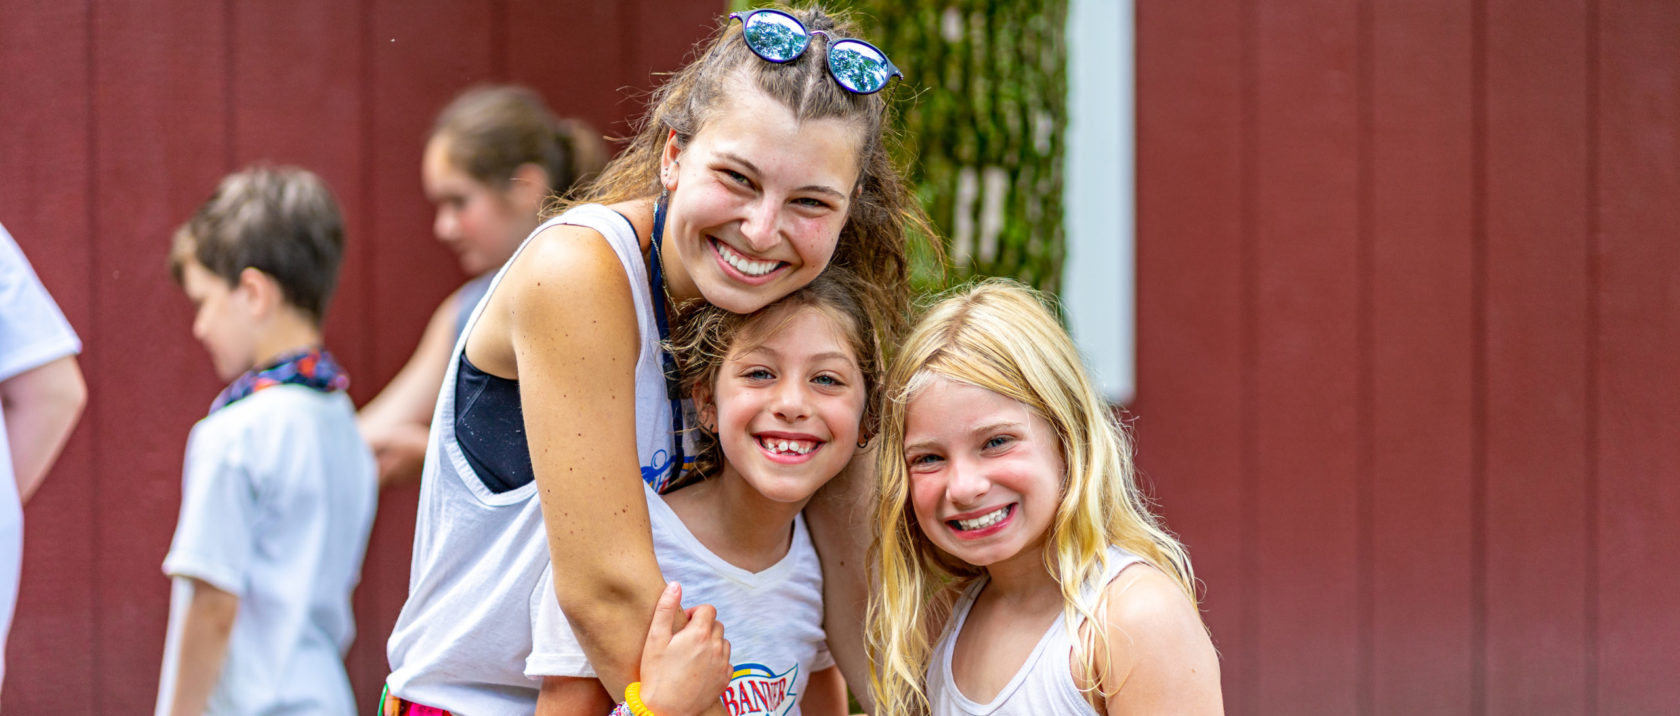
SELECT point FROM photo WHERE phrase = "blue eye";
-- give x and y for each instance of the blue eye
(997, 442)
(827, 380)
(924, 460)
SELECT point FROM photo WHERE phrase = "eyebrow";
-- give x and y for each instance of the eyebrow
(995, 427)
(921, 445)
(981, 430)
(830, 355)
(753, 168)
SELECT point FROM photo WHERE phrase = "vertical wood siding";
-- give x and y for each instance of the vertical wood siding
(1408, 331)
(1409, 298)
(117, 117)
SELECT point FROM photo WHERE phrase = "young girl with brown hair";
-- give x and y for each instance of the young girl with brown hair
(784, 398)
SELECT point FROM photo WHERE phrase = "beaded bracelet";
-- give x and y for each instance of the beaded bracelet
(633, 700)
(622, 709)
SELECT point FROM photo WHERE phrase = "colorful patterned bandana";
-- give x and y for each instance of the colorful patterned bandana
(314, 368)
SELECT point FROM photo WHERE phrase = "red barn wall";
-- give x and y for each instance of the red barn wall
(1409, 346)
(117, 118)
(1408, 326)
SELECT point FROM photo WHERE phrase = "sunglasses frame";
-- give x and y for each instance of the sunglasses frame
(833, 44)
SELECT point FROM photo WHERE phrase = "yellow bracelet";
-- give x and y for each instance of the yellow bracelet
(633, 699)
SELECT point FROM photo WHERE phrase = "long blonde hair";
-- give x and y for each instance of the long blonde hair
(998, 335)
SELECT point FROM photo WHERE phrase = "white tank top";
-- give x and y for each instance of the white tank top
(462, 638)
(1043, 686)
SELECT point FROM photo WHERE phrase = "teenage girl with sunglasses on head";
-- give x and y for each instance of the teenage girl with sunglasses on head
(784, 398)
(1021, 570)
(747, 179)
(496, 153)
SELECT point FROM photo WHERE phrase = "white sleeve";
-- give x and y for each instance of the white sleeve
(555, 650)
(33, 331)
(214, 535)
(823, 659)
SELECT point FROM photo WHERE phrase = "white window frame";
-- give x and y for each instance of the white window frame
(1099, 278)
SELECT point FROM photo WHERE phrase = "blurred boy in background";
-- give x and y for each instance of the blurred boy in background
(279, 489)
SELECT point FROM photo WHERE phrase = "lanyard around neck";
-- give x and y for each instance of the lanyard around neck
(657, 293)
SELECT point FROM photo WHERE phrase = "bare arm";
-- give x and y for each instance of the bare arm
(573, 333)
(833, 516)
(1161, 660)
(825, 694)
(41, 407)
(569, 696)
(204, 640)
(395, 422)
(684, 670)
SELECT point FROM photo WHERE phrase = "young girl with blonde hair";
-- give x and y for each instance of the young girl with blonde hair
(1022, 571)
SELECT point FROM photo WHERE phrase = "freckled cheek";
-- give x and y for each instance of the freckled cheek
(716, 194)
(818, 237)
(705, 209)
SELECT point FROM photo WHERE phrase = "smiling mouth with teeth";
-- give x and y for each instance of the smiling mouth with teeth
(788, 447)
(983, 521)
(744, 264)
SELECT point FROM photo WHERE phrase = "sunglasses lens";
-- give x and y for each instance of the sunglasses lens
(859, 66)
(775, 36)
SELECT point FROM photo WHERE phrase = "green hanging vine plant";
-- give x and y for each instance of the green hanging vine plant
(982, 118)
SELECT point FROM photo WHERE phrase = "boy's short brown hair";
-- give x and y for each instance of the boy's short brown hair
(281, 221)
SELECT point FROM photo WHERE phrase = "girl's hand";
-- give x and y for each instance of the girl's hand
(684, 673)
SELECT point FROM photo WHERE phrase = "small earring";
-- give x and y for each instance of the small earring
(863, 442)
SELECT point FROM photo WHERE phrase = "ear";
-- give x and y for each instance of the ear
(668, 161)
(530, 186)
(261, 293)
(705, 408)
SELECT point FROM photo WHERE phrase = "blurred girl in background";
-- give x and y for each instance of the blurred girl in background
(496, 154)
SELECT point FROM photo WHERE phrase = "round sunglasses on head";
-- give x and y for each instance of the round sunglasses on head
(778, 37)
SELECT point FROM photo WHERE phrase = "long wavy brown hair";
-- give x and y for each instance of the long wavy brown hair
(884, 215)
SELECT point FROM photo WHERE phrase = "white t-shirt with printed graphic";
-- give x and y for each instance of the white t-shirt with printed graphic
(772, 618)
(33, 333)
